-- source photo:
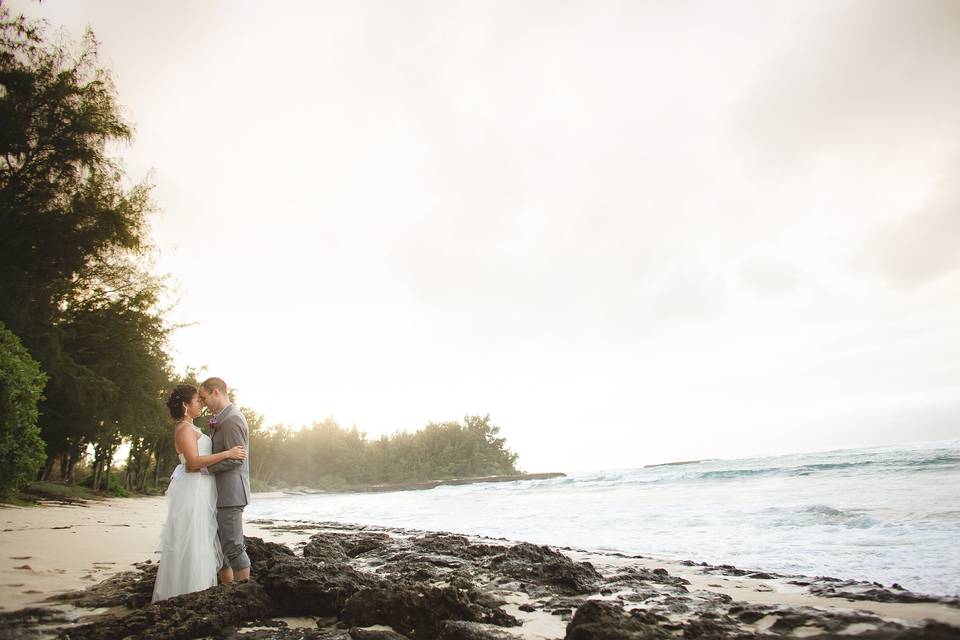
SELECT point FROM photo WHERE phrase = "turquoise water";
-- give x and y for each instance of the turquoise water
(886, 514)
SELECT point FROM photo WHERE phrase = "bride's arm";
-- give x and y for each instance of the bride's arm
(187, 443)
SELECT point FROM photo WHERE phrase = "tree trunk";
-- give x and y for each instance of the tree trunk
(72, 460)
(47, 469)
(130, 472)
(64, 465)
(95, 485)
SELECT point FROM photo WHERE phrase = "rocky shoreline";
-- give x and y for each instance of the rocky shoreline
(350, 582)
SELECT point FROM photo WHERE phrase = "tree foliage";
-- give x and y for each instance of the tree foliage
(21, 386)
(72, 238)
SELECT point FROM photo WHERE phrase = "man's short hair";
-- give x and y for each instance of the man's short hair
(215, 383)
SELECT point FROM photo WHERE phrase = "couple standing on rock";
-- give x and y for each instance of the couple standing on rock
(202, 538)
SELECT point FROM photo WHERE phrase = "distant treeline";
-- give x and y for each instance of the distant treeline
(325, 455)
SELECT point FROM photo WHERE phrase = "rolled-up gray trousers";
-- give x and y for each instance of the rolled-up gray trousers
(230, 532)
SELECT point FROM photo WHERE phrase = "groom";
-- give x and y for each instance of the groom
(228, 429)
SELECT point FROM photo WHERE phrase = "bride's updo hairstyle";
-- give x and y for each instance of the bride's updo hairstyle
(183, 394)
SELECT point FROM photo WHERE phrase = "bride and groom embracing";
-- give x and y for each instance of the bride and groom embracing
(202, 537)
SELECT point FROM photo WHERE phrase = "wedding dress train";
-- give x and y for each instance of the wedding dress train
(189, 547)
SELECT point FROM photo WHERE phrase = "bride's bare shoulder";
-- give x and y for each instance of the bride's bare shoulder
(181, 427)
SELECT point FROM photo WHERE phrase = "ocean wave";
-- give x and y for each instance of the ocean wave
(648, 476)
(884, 461)
(949, 458)
(878, 463)
(821, 515)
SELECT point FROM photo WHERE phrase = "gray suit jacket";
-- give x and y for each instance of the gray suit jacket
(233, 476)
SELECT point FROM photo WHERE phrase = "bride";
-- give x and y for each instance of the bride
(190, 551)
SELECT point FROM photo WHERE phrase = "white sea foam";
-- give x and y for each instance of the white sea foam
(885, 514)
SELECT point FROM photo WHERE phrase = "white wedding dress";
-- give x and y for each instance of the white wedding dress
(190, 550)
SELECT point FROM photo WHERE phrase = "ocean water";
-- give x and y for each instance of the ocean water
(886, 514)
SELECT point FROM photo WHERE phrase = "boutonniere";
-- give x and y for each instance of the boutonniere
(212, 423)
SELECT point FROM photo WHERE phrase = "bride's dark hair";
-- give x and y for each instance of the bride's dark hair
(182, 394)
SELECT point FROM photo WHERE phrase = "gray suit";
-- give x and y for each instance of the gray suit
(233, 485)
(233, 476)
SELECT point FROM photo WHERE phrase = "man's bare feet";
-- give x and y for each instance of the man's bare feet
(226, 575)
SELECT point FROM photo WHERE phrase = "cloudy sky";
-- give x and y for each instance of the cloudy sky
(631, 232)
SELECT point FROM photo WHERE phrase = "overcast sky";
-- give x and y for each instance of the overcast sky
(631, 232)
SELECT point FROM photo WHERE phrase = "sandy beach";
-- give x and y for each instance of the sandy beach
(49, 550)
(46, 550)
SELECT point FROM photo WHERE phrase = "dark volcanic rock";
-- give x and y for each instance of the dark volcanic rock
(435, 586)
(338, 547)
(790, 619)
(29, 623)
(258, 550)
(461, 630)
(542, 565)
(31, 615)
(286, 633)
(191, 615)
(449, 544)
(433, 557)
(418, 611)
(132, 589)
(568, 604)
(649, 617)
(325, 547)
(749, 614)
(364, 542)
(430, 564)
(359, 633)
(931, 631)
(710, 627)
(725, 570)
(852, 590)
(302, 586)
(643, 576)
(597, 620)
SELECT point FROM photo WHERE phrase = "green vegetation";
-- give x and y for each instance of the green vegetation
(326, 456)
(61, 491)
(84, 366)
(76, 296)
(21, 386)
